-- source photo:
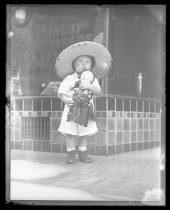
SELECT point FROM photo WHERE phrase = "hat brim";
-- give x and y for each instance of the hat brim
(102, 57)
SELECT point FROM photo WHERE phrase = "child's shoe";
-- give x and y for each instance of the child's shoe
(83, 157)
(70, 159)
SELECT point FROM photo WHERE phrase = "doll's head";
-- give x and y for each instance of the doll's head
(87, 76)
(83, 63)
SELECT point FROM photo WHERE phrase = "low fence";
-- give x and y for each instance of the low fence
(125, 124)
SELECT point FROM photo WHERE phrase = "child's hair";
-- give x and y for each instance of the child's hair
(93, 62)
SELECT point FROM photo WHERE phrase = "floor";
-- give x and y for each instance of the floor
(129, 178)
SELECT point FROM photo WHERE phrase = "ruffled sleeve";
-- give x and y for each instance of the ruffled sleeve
(96, 83)
(64, 87)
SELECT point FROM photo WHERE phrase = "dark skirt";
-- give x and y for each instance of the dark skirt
(81, 112)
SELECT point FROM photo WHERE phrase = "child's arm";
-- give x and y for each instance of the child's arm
(64, 91)
(95, 90)
(94, 87)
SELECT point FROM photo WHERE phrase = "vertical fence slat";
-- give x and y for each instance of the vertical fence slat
(38, 128)
(35, 128)
(26, 127)
(45, 129)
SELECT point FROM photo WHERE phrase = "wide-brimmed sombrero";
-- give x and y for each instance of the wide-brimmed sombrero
(102, 57)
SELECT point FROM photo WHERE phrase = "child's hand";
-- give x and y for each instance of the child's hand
(94, 89)
(67, 100)
(85, 85)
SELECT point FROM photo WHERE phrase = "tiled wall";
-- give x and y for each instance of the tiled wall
(125, 124)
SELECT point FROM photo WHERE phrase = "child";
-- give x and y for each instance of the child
(71, 62)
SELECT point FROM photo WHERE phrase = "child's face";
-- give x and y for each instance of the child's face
(83, 63)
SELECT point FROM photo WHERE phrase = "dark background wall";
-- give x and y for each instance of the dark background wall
(137, 44)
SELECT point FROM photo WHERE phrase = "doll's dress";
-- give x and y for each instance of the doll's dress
(82, 111)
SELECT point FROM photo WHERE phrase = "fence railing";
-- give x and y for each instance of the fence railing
(104, 102)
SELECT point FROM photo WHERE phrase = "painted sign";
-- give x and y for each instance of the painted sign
(34, 48)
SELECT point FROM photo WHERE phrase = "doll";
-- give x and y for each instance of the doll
(82, 111)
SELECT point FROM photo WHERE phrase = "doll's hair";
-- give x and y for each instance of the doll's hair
(93, 62)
